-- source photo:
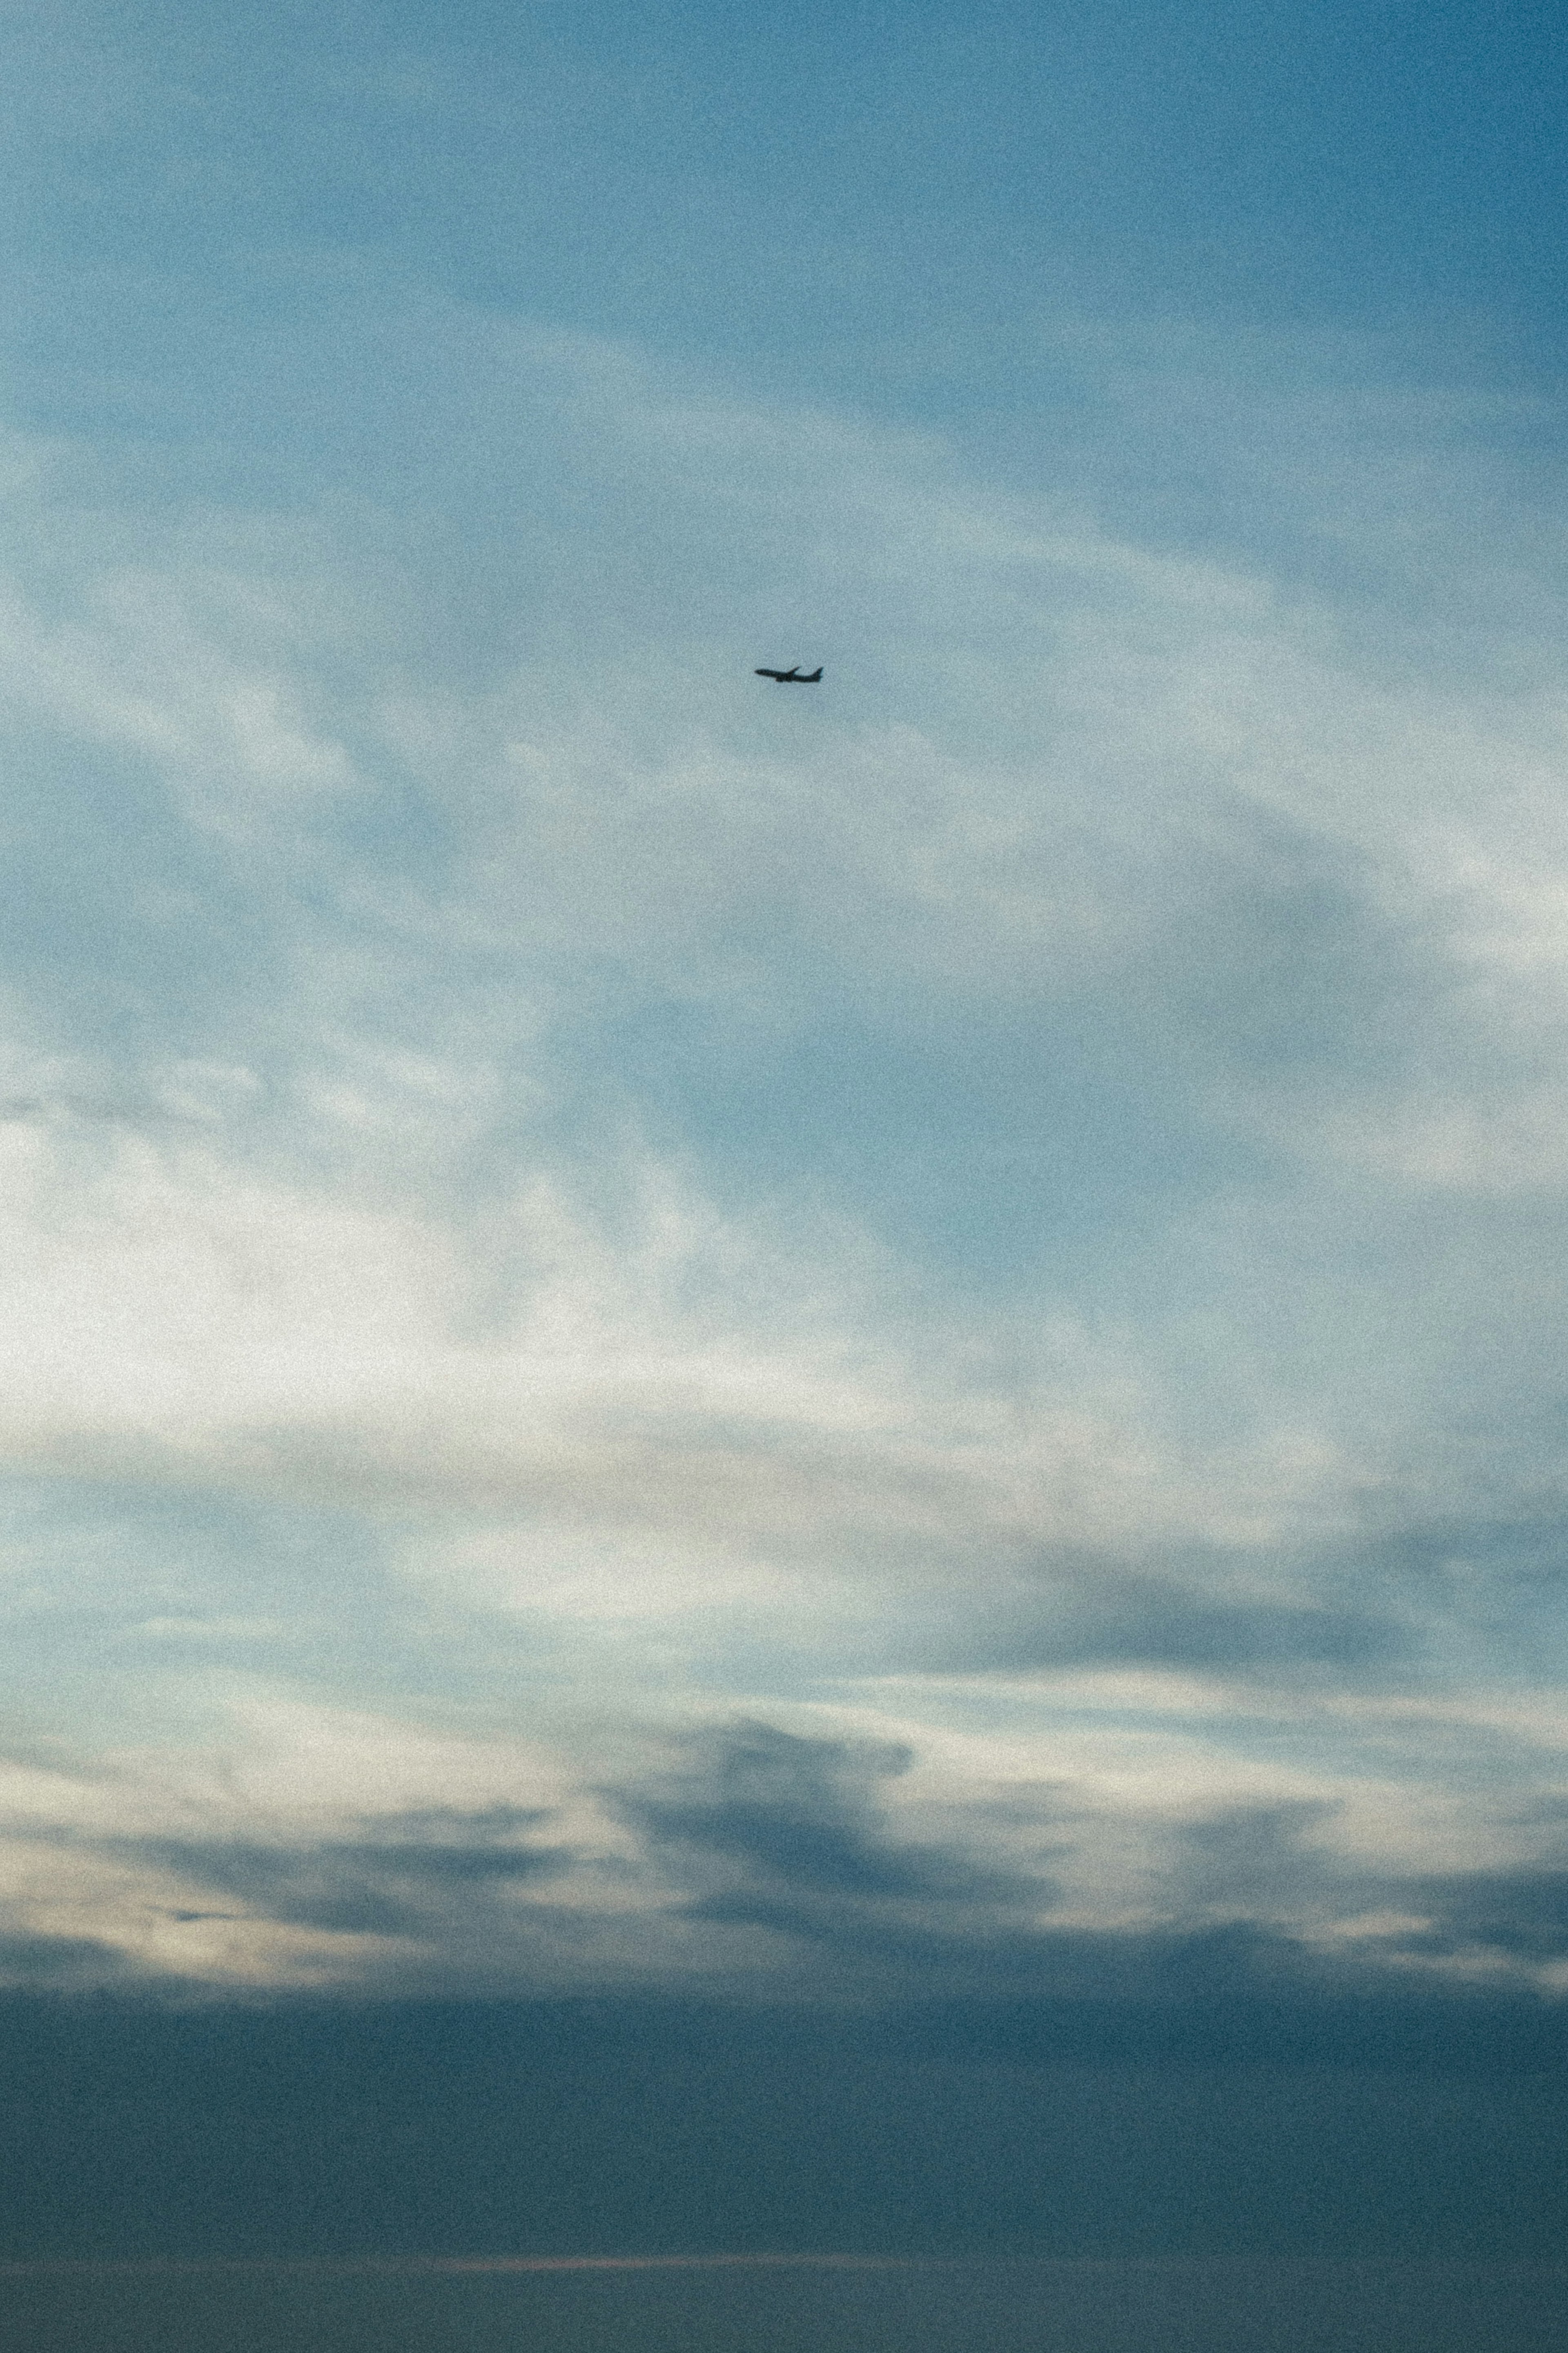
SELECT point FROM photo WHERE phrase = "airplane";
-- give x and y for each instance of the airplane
(796, 676)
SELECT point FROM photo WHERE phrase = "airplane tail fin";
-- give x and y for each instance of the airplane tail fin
(811, 678)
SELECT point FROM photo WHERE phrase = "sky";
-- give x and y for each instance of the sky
(783, 1471)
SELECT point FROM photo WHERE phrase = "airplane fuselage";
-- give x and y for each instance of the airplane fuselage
(796, 676)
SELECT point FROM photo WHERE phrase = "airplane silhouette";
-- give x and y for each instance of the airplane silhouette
(796, 676)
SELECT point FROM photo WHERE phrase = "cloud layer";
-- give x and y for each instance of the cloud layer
(657, 1335)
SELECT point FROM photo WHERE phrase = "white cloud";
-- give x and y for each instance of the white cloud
(389, 1226)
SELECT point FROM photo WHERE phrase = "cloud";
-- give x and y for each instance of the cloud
(1000, 1219)
(797, 1816)
(407, 1878)
(1498, 1916)
(779, 1864)
(1087, 1610)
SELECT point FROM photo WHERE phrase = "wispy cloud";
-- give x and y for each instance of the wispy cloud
(998, 1218)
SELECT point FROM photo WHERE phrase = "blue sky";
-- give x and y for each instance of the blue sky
(670, 1344)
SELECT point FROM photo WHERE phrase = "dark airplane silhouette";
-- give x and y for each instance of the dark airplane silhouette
(796, 676)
